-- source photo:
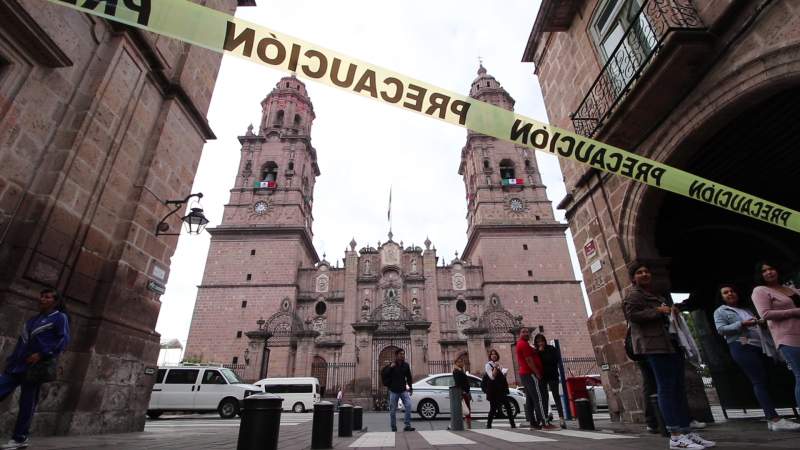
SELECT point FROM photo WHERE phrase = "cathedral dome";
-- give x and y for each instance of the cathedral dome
(486, 88)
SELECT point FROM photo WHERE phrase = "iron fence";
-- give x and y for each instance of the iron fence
(334, 376)
(648, 29)
(578, 366)
(238, 369)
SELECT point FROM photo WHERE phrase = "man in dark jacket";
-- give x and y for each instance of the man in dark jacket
(397, 377)
(43, 338)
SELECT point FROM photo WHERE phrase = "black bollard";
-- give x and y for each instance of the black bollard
(261, 421)
(583, 406)
(322, 426)
(358, 417)
(456, 413)
(345, 420)
(659, 418)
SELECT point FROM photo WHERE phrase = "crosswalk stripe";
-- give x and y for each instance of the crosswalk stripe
(441, 437)
(510, 436)
(375, 439)
(588, 434)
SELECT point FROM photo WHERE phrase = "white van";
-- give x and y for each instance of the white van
(198, 388)
(299, 394)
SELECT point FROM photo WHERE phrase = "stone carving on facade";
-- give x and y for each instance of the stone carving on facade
(322, 283)
(498, 321)
(459, 282)
(462, 323)
(414, 265)
(366, 267)
(319, 324)
(283, 324)
(365, 310)
(390, 255)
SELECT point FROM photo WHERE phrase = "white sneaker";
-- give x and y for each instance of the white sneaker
(679, 442)
(783, 425)
(12, 444)
(694, 437)
(697, 425)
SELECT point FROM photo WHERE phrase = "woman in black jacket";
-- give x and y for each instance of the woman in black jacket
(497, 389)
(462, 381)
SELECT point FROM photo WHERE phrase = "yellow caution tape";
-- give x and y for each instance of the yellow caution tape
(217, 31)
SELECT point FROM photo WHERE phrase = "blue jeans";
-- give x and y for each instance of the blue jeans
(27, 402)
(670, 379)
(792, 355)
(752, 361)
(406, 397)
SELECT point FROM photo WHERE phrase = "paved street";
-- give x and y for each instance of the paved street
(208, 431)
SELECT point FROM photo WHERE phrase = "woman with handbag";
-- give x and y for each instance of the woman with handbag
(34, 362)
(497, 389)
(462, 381)
(750, 346)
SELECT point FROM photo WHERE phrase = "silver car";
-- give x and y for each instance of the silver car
(431, 396)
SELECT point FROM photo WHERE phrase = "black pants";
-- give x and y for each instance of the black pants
(494, 410)
(553, 387)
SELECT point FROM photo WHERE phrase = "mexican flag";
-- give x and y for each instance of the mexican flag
(266, 184)
(513, 181)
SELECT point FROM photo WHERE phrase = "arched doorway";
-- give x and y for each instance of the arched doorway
(385, 357)
(319, 370)
(754, 152)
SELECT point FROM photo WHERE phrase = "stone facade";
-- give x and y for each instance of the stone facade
(716, 62)
(315, 316)
(98, 124)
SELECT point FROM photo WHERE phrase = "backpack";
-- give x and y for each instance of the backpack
(485, 383)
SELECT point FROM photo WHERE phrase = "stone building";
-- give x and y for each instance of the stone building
(98, 123)
(711, 87)
(342, 324)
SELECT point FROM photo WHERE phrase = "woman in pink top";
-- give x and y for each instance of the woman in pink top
(779, 305)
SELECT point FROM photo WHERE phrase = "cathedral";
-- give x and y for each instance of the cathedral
(269, 305)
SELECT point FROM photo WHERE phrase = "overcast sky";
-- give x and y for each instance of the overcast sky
(364, 146)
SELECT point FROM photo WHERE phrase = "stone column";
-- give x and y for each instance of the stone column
(418, 331)
(305, 352)
(476, 348)
(255, 348)
(362, 385)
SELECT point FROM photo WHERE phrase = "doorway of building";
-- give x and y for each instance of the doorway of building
(319, 370)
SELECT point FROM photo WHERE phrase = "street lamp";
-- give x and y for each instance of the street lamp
(195, 221)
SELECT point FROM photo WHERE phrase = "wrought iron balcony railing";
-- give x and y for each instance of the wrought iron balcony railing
(642, 40)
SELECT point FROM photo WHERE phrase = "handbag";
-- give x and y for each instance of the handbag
(42, 371)
(629, 347)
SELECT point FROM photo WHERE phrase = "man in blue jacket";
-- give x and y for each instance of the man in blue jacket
(44, 337)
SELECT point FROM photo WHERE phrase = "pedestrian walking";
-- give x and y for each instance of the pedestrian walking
(657, 333)
(496, 386)
(339, 399)
(397, 377)
(530, 374)
(34, 361)
(549, 356)
(779, 305)
(462, 381)
(750, 344)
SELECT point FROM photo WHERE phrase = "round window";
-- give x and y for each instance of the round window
(320, 308)
(461, 306)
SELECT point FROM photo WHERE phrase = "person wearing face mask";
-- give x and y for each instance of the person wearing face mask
(750, 344)
(656, 334)
(779, 305)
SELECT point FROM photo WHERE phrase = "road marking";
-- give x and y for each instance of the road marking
(588, 434)
(510, 436)
(441, 437)
(375, 439)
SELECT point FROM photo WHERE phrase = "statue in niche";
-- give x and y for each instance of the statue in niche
(366, 266)
(413, 265)
(391, 295)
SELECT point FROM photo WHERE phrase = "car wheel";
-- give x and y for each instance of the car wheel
(154, 414)
(428, 409)
(514, 408)
(298, 408)
(228, 408)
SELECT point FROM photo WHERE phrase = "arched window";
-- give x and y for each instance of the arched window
(269, 171)
(279, 118)
(527, 163)
(290, 166)
(297, 120)
(507, 169)
(486, 164)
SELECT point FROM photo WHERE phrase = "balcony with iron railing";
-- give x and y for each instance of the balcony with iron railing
(657, 59)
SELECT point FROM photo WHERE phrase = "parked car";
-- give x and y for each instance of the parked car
(299, 394)
(596, 392)
(431, 396)
(198, 389)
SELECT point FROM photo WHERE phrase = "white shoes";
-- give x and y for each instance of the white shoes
(690, 441)
(783, 425)
(697, 425)
(12, 444)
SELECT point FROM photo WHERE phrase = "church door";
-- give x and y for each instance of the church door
(319, 370)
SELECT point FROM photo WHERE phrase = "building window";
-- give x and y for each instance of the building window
(608, 27)
(541, 328)
(535, 299)
(279, 117)
(507, 169)
(238, 334)
(253, 252)
(297, 120)
(524, 246)
(235, 360)
(320, 308)
(486, 164)
(269, 171)
(537, 217)
(530, 273)
(244, 303)
(461, 306)
(250, 276)
(527, 163)
(290, 166)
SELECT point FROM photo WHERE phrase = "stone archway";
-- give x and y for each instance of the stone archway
(319, 370)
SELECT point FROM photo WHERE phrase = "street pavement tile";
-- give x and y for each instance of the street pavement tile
(442, 437)
(510, 436)
(375, 439)
(588, 434)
